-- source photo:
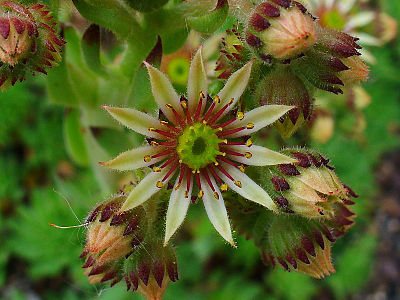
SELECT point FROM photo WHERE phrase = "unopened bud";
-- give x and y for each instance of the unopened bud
(280, 29)
(283, 87)
(313, 187)
(28, 41)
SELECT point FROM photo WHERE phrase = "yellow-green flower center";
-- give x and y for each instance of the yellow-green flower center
(178, 70)
(334, 19)
(198, 146)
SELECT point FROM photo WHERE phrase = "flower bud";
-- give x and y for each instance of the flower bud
(150, 269)
(233, 54)
(145, 5)
(128, 245)
(110, 238)
(28, 41)
(332, 62)
(282, 87)
(386, 27)
(280, 29)
(290, 241)
(309, 188)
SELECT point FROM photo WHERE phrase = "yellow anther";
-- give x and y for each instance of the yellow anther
(159, 184)
(147, 158)
(216, 163)
(225, 141)
(164, 122)
(230, 101)
(242, 168)
(223, 154)
(184, 103)
(248, 155)
(198, 171)
(151, 129)
(186, 194)
(194, 171)
(216, 195)
(240, 115)
(177, 186)
(202, 95)
(200, 194)
(224, 187)
(238, 183)
(154, 143)
(180, 161)
(204, 122)
(216, 99)
(249, 143)
(169, 106)
(250, 126)
(156, 169)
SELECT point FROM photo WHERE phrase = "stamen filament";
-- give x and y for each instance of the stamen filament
(165, 152)
(214, 174)
(171, 159)
(162, 132)
(173, 168)
(231, 131)
(177, 116)
(166, 124)
(219, 167)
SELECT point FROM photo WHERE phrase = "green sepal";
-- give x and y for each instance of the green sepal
(210, 22)
(74, 141)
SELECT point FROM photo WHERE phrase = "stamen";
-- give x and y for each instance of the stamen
(159, 184)
(240, 115)
(235, 143)
(224, 187)
(184, 104)
(173, 168)
(214, 174)
(165, 152)
(231, 131)
(177, 116)
(205, 174)
(242, 168)
(220, 112)
(182, 172)
(157, 169)
(147, 158)
(162, 132)
(219, 167)
(222, 125)
(170, 143)
(209, 111)
(249, 143)
(248, 155)
(166, 124)
(230, 152)
(170, 160)
(238, 183)
(216, 195)
(217, 99)
(250, 126)
(199, 106)
(228, 161)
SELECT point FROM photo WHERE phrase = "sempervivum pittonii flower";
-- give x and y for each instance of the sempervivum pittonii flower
(28, 41)
(280, 29)
(200, 144)
(309, 188)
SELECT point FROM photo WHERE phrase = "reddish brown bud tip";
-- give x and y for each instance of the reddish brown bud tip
(259, 23)
(4, 28)
(304, 162)
(283, 3)
(134, 280)
(268, 10)
(144, 272)
(301, 255)
(289, 169)
(107, 212)
(308, 245)
(172, 269)
(132, 226)
(96, 270)
(283, 263)
(108, 276)
(291, 260)
(280, 183)
(120, 218)
(319, 239)
(158, 272)
(253, 41)
(89, 262)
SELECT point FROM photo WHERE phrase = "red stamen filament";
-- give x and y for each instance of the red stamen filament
(198, 109)
(165, 152)
(214, 174)
(219, 167)
(177, 116)
(173, 168)
(171, 159)
(228, 161)
(162, 132)
(209, 111)
(222, 125)
(166, 124)
(205, 174)
(231, 131)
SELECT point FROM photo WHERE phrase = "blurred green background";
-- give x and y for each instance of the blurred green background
(40, 185)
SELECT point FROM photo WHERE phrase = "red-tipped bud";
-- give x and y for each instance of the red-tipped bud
(27, 38)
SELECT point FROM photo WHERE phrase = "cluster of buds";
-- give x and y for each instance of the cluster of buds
(309, 188)
(124, 245)
(300, 237)
(28, 41)
(282, 87)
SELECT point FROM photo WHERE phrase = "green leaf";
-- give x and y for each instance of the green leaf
(210, 22)
(73, 137)
(353, 267)
(91, 49)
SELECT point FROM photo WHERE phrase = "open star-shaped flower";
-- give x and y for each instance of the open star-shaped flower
(200, 145)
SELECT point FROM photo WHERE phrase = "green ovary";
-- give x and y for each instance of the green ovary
(198, 146)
